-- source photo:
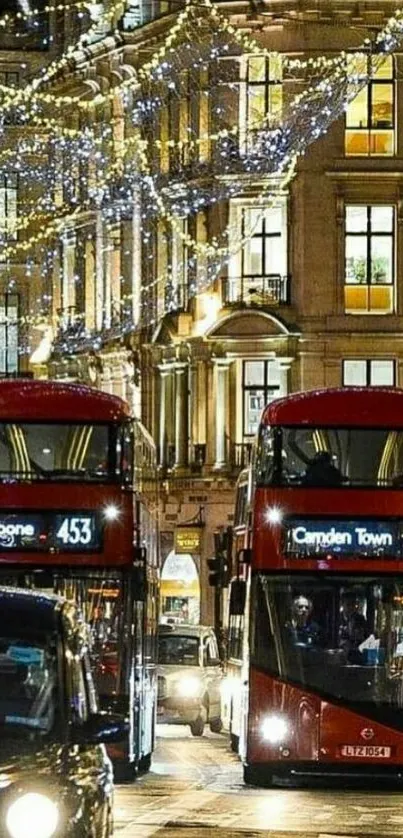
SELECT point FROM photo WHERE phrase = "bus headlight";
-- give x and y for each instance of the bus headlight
(32, 814)
(111, 512)
(274, 729)
(188, 687)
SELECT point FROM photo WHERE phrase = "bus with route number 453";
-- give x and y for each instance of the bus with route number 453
(315, 635)
(78, 516)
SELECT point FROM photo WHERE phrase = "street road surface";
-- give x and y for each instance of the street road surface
(195, 790)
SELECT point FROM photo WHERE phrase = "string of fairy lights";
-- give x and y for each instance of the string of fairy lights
(93, 159)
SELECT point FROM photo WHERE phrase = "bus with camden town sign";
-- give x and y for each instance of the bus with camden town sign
(78, 510)
(317, 602)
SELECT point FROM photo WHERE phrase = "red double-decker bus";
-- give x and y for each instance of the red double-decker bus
(78, 513)
(323, 645)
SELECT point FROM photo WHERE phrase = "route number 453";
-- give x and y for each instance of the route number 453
(75, 531)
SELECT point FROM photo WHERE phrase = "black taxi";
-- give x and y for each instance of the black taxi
(55, 776)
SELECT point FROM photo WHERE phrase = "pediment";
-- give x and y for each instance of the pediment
(244, 324)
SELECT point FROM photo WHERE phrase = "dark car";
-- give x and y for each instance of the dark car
(55, 776)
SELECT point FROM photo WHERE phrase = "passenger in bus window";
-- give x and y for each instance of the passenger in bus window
(302, 629)
(353, 626)
(321, 471)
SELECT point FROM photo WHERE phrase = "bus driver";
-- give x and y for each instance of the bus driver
(302, 629)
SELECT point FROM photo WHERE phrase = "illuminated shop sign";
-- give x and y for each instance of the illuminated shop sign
(324, 537)
(50, 531)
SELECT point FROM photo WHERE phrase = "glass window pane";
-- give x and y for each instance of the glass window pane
(357, 142)
(382, 105)
(381, 260)
(252, 261)
(275, 256)
(254, 373)
(257, 68)
(356, 259)
(354, 373)
(357, 110)
(254, 403)
(383, 70)
(382, 219)
(253, 221)
(382, 142)
(276, 68)
(356, 219)
(256, 106)
(275, 101)
(382, 373)
(273, 219)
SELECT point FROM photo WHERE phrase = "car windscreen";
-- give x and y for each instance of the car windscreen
(333, 457)
(178, 649)
(339, 636)
(28, 683)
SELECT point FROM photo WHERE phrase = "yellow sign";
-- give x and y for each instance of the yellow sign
(187, 540)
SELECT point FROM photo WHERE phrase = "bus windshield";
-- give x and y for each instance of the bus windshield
(50, 451)
(333, 457)
(339, 636)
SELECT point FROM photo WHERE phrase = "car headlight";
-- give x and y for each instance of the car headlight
(188, 687)
(32, 814)
(274, 729)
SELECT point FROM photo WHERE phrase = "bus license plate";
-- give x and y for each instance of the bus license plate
(368, 751)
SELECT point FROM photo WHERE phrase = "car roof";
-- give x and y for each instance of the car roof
(185, 629)
(35, 610)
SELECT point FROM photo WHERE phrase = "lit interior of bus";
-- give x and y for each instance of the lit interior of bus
(337, 457)
(52, 451)
(340, 636)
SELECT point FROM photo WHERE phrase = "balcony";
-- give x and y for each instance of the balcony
(261, 292)
(238, 456)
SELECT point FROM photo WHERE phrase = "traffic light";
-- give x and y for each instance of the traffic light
(220, 564)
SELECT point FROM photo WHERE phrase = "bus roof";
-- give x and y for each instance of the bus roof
(380, 407)
(50, 401)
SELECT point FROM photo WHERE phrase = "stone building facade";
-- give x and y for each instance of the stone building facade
(313, 297)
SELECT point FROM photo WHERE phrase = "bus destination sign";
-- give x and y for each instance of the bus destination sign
(54, 532)
(305, 538)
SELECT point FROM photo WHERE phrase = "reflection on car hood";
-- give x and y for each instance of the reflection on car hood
(19, 761)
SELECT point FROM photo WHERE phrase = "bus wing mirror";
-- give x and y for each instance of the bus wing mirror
(237, 598)
(139, 582)
(244, 556)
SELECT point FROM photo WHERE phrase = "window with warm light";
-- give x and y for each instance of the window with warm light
(369, 373)
(9, 356)
(9, 206)
(261, 96)
(369, 259)
(370, 116)
(260, 384)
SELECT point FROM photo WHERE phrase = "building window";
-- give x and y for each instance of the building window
(369, 373)
(260, 385)
(370, 116)
(369, 259)
(9, 358)
(261, 97)
(258, 272)
(9, 78)
(9, 206)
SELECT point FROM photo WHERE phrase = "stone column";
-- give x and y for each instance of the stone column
(222, 366)
(99, 271)
(181, 415)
